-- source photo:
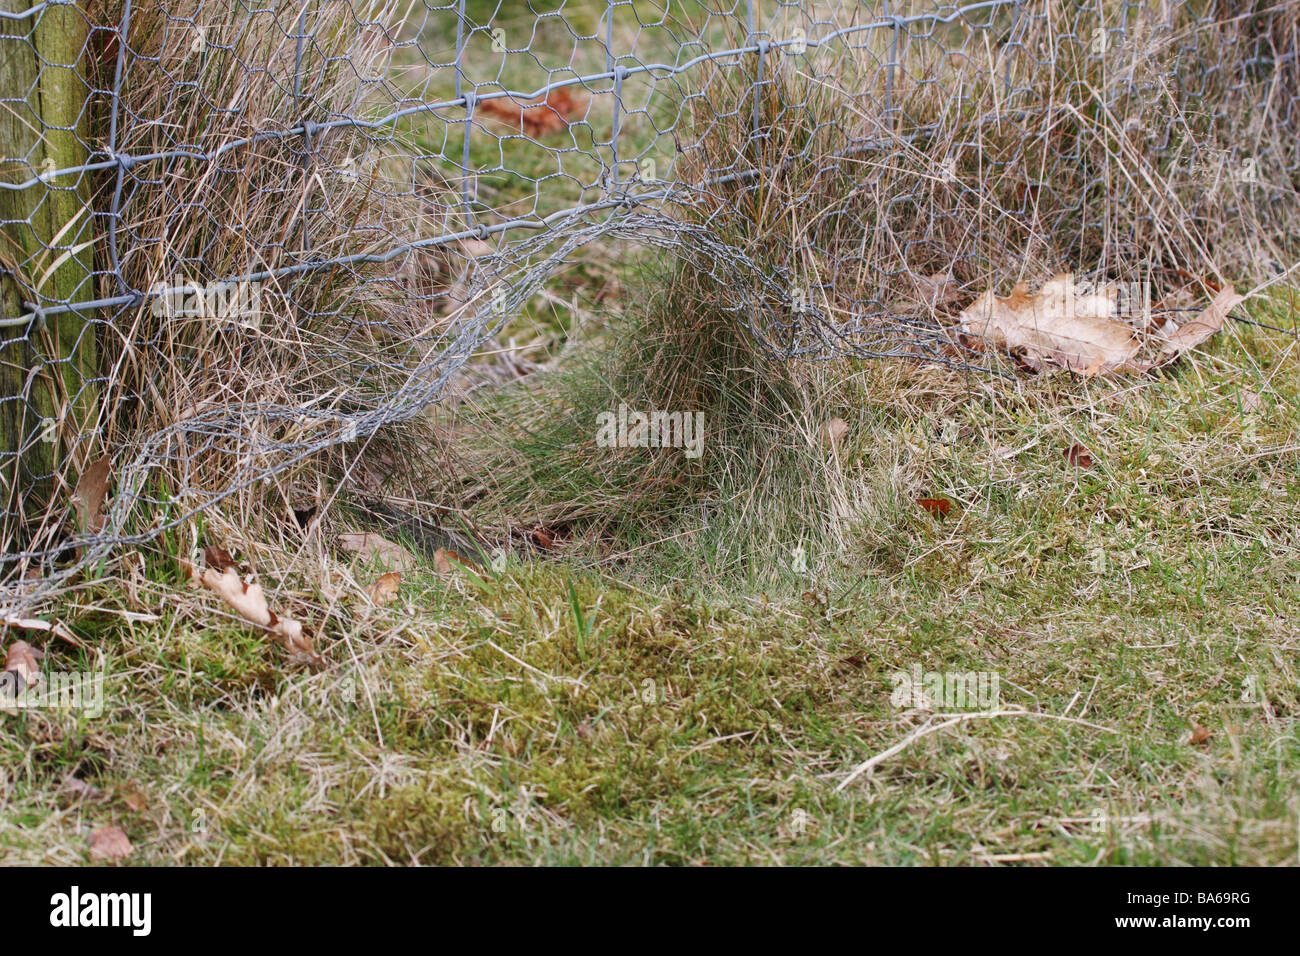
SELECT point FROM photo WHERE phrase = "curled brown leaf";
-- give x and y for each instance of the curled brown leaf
(1078, 456)
(109, 843)
(385, 588)
(24, 660)
(1192, 333)
(88, 497)
(248, 600)
(936, 506)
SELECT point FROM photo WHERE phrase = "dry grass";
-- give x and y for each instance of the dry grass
(987, 170)
(712, 647)
(1025, 154)
(201, 406)
(554, 714)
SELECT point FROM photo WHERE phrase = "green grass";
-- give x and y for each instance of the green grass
(694, 676)
(644, 712)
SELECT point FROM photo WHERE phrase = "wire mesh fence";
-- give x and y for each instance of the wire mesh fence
(234, 236)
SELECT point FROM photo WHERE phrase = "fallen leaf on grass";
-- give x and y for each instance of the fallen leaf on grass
(539, 116)
(109, 843)
(376, 548)
(1077, 332)
(547, 538)
(1200, 734)
(24, 660)
(385, 588)
(133, 797)
(88, 496)
(1078, 456)
(443, 558)
(836, 429)
(1192, 333)
(219, 559)
(57, 628)
(936, 506)
(1084, 331)
(222, 578)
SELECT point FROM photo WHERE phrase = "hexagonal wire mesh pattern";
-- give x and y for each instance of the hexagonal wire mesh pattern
(235, 234)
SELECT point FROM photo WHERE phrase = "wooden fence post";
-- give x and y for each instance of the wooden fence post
(48, 371)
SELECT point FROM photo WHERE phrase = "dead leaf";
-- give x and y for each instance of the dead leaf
(219, 559)
(836, 429)
(57, 628)
(133, 797)
(302, 515)
(249, 601)
(88, 496)
(443, 558)
(936, 506)
(1200, 734)
(109, 843)
(1078, 456)
(1211, 283)
(384, 590)
(378, 549)
(539, 116)
(24, 660)
(1076, 331)
(1192, 333)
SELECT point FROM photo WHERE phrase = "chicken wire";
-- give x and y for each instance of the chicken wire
(235, 235)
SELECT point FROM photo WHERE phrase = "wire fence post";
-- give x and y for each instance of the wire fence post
(468, 183)
(612, 67)
(893, 65)
(750, 36)
(1014, 38)
(48, 370)
(306, 128)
